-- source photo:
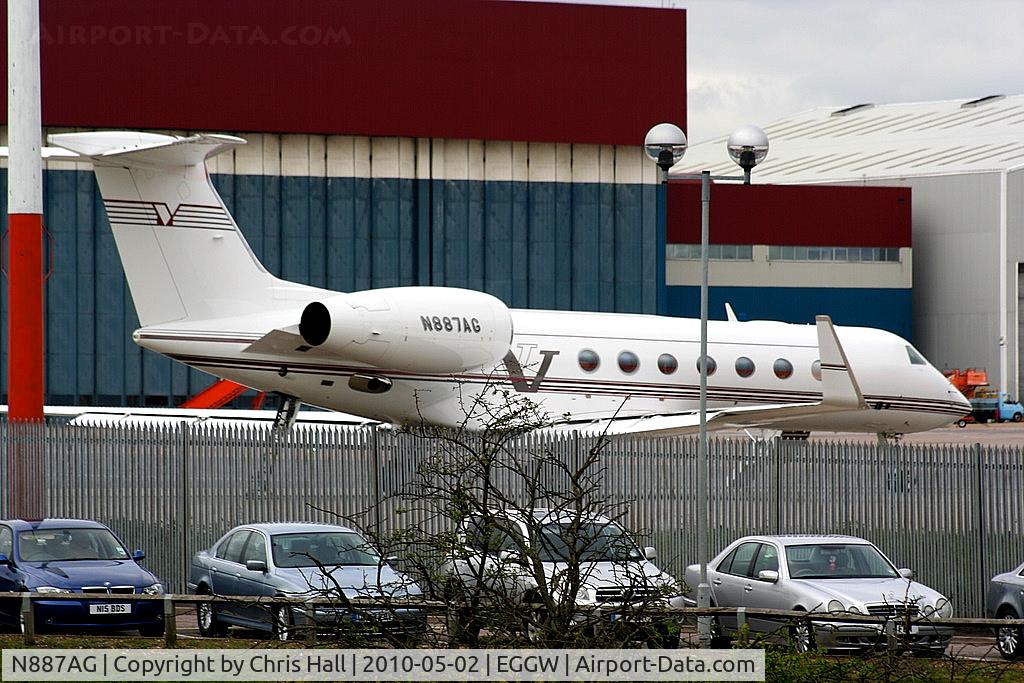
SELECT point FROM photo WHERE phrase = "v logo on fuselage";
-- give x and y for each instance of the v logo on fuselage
(515, 371)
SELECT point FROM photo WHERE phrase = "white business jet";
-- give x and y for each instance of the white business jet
(409, 354)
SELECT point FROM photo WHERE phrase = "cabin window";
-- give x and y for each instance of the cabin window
(915, 357)
(667, 363)
(628, 362)
(783, 368)
(816, 370)
(744, 366)
(589, 360)
(712, 365)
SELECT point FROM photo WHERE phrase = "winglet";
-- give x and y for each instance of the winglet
(838, 385)
(730, 314)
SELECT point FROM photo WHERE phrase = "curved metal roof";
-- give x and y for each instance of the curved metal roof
(866, 141)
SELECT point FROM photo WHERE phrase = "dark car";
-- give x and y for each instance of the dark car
(76, 556)
(1005, 600)
(308, 561)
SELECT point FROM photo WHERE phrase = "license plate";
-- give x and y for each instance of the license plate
(901, 629)
(111, 608)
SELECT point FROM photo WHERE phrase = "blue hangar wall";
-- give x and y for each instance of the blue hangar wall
(539, 225)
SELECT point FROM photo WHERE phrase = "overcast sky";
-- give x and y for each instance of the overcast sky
(755, 61)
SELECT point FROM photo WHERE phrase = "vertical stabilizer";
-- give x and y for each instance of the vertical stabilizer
(183, 254)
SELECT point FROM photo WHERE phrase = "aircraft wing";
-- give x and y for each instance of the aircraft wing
(285, 342)
(840, 392)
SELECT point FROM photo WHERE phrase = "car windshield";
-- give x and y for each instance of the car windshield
(51, 545)
(594, 542)
(322, 548)
(838, 561)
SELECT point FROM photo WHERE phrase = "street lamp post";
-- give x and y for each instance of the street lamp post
(747, 146)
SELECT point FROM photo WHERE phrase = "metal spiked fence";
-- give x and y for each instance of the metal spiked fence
(954, 514)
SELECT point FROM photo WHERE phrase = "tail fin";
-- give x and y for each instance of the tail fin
(183, 254)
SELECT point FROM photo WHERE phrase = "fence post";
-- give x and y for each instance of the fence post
(170, 624)
(980, 480)
(777, 450)
(28, 620)
(185, 522)
(378, 495)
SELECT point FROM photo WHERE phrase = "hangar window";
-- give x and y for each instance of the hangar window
(588, 360)
(816, 370)
(628, 362)
(712, 365)
(667, 363)
(716, 252)
(835, 254)
(782, 368)
(744, 366)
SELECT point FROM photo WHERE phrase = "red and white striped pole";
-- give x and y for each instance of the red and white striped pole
(25, 340)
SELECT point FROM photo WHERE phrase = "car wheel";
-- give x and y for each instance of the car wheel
(209, 625)
(719, 640)
(155, 630)
(802, 635)
(1017, 417)
(663, 636)
(1009, 638)
(961, 423)
(532, 625)
(284, 623)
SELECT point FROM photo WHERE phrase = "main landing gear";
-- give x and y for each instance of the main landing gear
(286, 413)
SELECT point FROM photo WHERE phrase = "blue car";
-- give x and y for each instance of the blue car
(76, 556)
(306, 561)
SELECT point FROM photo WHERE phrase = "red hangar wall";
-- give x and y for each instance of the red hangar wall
(489, 145)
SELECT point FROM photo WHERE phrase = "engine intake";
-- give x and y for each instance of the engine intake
(411, 329)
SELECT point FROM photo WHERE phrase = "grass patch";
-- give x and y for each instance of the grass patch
(789, 667)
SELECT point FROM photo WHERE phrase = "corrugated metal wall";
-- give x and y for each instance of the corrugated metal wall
(953, 514)
(538, 225)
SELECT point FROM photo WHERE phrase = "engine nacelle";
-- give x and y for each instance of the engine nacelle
(412, 329)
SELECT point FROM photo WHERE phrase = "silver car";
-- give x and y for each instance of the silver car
(301, 560)
(614, 573)
(834, 574)
(1005, 600)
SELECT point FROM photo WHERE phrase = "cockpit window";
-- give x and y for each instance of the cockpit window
(915, 357)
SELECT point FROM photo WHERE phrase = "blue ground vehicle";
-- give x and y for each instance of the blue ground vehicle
(996, 406)
(76, 556)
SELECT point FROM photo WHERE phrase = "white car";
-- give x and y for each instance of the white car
(833, 574)
(615, 575)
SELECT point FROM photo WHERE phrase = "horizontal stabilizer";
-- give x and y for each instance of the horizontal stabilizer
(127, 148)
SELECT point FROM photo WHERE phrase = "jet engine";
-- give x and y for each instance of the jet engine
(411, 329)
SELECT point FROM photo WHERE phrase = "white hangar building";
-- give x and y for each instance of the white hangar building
(964, 163)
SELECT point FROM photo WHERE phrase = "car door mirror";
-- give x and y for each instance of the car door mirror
(256, 565)
(139, 555)
(768, 576)
(906, 573)
(650, 553)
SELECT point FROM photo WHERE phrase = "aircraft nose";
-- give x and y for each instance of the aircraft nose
(958, 398)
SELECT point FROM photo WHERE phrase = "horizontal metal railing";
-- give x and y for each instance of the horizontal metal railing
(171, 601)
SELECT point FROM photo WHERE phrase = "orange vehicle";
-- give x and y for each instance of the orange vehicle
(968, 381)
